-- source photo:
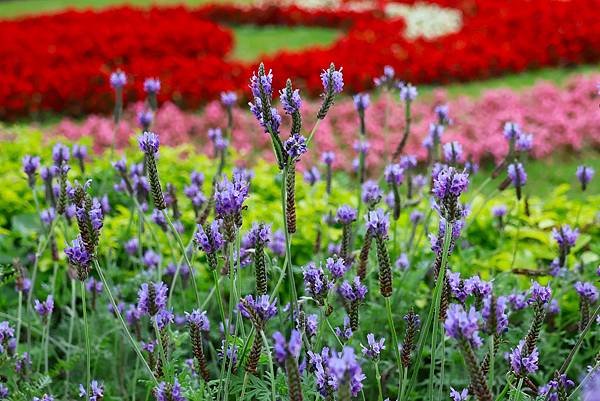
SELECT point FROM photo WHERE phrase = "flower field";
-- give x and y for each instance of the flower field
(179, 225)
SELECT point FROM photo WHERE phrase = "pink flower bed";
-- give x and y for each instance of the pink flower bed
(565, 118)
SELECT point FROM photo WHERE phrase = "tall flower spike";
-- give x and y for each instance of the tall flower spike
(210, 240)
(258, 237)
(352, 296)
(61, 205)
(149, 144)
(79, 258)
(31, 164)
(378, 224)
(261, 85)
(229, 202)
(152, 298)
(169, 392)
(290, 197)
(565, 237)
(346, 215)
(291, 102)
(448, 185)
(584, 174)
(517, 176)
(345, 374)
(286, 354)
(588, 295)
(333, 84)
(152, 87)
(316, 283)
(198, 323)
(89, 217)
(361, 102)
(413, 322)
(118, 80)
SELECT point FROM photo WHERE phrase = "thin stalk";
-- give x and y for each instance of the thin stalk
(266, 343)
(229, 315)
(288, 247)
(519, 393)
(378, 378)
(442, 368)
(492, 362)
(503, 392)
(71, 327)
(388, 307)
(123, 324)
(187, 260)
(161, 347)
(86, 333)
(333, 332)
(567, 363)
(433, 314)
(19, 315)
(403, 386)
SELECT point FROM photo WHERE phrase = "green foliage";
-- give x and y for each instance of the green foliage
(522, 244)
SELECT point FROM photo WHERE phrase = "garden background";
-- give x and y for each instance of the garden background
(532, 63)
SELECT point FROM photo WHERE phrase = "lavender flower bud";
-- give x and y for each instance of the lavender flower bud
(413, 322)
(30, 166)
(333, 84)
(258, 237)
(584, 175)
(373, 350)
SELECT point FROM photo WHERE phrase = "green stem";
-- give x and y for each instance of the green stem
(71, 327)
(86, 333)
(123, 324)
(230, 313)
(268, 349)
(187, 260)
(388, 307)
(378, 378)
(288, 247)
(433, 314)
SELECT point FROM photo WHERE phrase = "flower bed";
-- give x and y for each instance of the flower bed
(50, 67)
(558, 117)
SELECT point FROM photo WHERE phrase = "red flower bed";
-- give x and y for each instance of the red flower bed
(61, 62)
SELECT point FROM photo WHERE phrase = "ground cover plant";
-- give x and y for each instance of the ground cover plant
(159, 272)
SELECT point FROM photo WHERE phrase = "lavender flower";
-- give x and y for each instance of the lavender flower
(361, 101)
(413, 322)
(312, 175)
(151, 259)
(416, 216)
(60, 154)
(47, 216)
(522, 363)
(96, 391)
(557, 386)
(152, 298)
(402, 262)
(394, 174)
(328, 158)
(496, 320)
(295, 146)
(408, 162)
(30, 166)
(94, 286)
(387, 79)
(587, 291)
(118, 79)
(539, 294)
(345, 373)
(378, 222)
(287, 349)
(408, 92)
(132, 246)
(44, 308)
(584, 174)
(277, 244)
(517, 176)
(258, 310)
(290, 100)
(441, 111)
(499, 211)
(459, 396)
(565, 236)
(169, 392)
(591, 387)
(517, 301)
(463, 325)
(228, 99)
(371, 193)
(4, 393)
(524, 142)
(453, 152)
(316, 282)
(333, 84)
(152, 85)
(149, 143)
(45, 397)
(373, 350)
(511, 131)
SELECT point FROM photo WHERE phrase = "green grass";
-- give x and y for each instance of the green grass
(545, 174)
(17, 8)
(523, 80)
(255, 41)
